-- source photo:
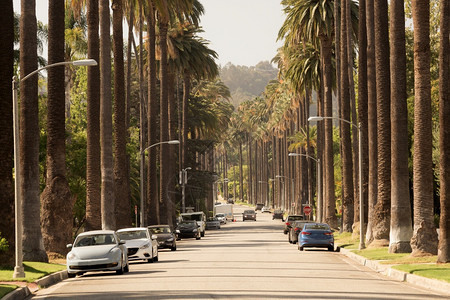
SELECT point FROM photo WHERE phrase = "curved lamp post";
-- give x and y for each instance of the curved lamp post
(361, 202)
(319, 183)
(18, 268)
(141, 175)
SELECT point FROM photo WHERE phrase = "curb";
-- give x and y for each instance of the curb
(434, 285)
(23, 292)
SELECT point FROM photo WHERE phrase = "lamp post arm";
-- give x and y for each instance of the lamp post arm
(63, 63)
(343, 120)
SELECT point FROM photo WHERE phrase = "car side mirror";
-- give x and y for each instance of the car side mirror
(154, 237)
(69, 246)
(177, 231)
(121, 243)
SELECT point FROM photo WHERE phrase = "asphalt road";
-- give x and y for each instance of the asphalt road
(242, 260)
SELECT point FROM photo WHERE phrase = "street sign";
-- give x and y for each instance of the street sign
(307, 210)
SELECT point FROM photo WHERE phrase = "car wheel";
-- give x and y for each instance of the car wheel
(300, 248)
(330, 248)
(156, 258)
(71, 275)
(198, 237)
(174, 248)
(127, 268)
(289, 239)
(203, 234)
(120, 271)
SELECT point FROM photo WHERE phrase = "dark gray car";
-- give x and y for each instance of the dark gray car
(165, 236)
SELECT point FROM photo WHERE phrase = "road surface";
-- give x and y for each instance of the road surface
(242, 260)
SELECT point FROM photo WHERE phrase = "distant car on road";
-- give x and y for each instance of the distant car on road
(316, 235)
(259, 206)
(140, 243)
(212, 223)
(165, 236)
(265, 209)
(294, 231)
(230, 201)
(99, 250)
(189, 229)
(249, 214)
(278, 214)
(222, 218)
(289, 220)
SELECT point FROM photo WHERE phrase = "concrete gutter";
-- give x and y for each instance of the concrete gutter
(435, 285)
(23, 292)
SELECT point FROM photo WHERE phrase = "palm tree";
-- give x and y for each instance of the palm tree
(401, 227)
(121, 165)
(33, 248)
(94, 197)
(424, 240)
(371, 119)
(382, 209)
(6, 127)
(56, 198)
(108, 198)
(444, 118)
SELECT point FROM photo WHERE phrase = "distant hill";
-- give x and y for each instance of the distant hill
(245, 82)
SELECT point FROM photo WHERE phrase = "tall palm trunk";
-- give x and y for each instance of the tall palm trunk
(250, 168)
(241, 173)
(347, 164)
(173, 135)
(184, 129)
(6, 127)
(121, 178)
(424, 240)
(363, 107)
(382, 210)
(106, 130)
(330, 214)
(401, 226)
(33, 247)
(93, 175)
(152, 116)
(444, 119)
(56, 199)
(371, 120)
(163, 122)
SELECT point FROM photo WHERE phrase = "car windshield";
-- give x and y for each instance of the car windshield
(196, 217)
(132, 235)
(156, 230)
(293, 218)
(249, 212)
(317, 227)
(93, 240)
(220, 215)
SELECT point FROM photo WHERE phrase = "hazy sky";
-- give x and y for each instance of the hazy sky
(242, 32)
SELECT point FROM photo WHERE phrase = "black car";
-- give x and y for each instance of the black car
(278, 214)
(249, 214)
(295, 228)
(165, 236)
(259, 206)
(189, 229)
(289, 220)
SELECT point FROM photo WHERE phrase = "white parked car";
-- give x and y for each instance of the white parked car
(265, 209)
(99, 250)
(140, 243)
(222, 218)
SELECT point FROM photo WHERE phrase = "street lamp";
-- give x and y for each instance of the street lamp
(141, 173)
(361, 202)
(183, 181)
(319, 184)
(18, 268)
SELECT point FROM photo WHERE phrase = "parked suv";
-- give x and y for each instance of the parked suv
(289, 220)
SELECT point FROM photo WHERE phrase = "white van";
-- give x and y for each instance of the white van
(198, 216)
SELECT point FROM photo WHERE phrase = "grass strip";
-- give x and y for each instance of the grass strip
(33, 271)
(433, 271)
(6, 289)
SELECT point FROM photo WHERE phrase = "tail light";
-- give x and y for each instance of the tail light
(328, 233)
(297, 229)
(287, 223)
(306, 233)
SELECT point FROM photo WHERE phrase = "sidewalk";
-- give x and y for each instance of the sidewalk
(25, 290)
(435, 285)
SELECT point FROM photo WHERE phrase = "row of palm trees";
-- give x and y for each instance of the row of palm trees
(178, 96)
(317, 63)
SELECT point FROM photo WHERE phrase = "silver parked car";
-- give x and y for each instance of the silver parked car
(99, 250)
(140, 243)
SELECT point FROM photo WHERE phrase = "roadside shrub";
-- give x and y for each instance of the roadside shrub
(3, 244)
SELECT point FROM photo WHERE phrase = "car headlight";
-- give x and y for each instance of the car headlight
(170, 240)
(71, 256)
(145, 246)
(195, 230)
